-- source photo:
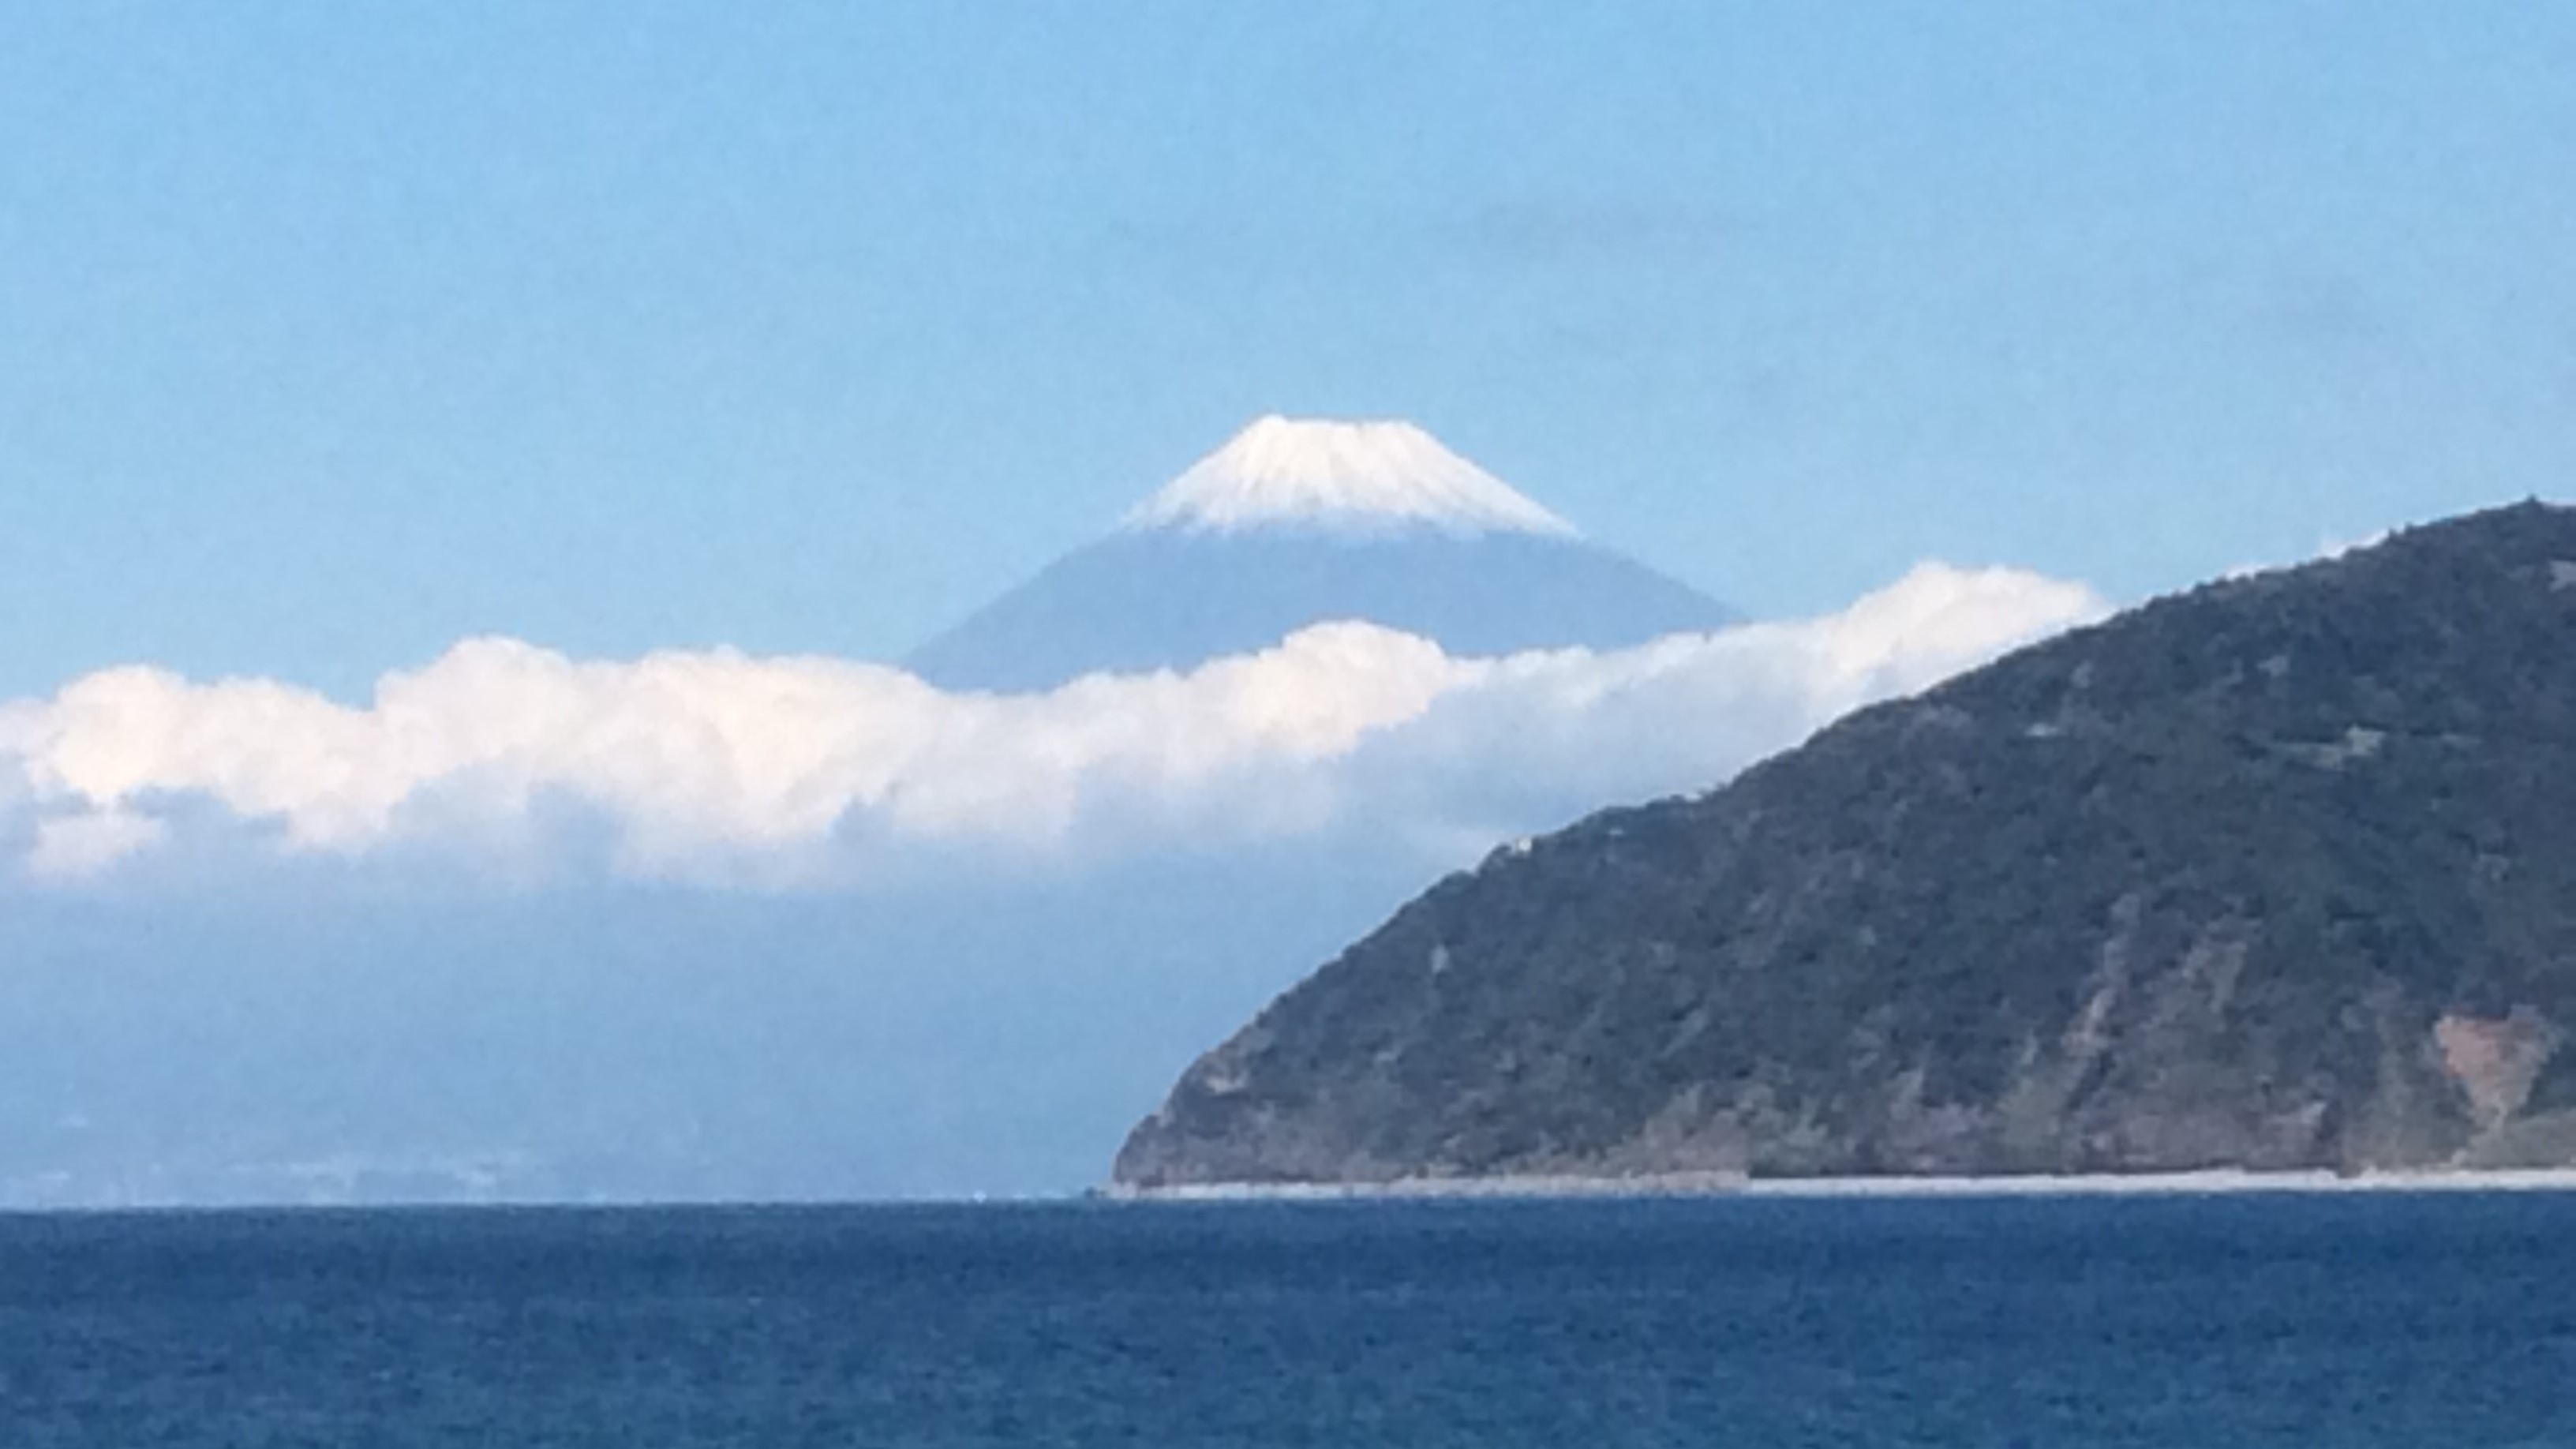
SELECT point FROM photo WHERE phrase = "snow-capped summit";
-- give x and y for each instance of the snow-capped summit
(1343, 477)
(1295, 522)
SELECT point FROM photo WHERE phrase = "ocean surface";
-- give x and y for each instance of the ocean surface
(2432, 1322)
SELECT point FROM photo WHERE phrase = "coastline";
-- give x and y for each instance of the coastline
(2207, 1182)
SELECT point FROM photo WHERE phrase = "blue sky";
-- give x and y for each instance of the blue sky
(333, 333)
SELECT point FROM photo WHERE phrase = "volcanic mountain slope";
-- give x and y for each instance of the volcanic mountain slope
(1298, 521)
(2277, 874)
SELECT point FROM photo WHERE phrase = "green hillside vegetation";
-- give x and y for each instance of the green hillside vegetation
(2279, 873)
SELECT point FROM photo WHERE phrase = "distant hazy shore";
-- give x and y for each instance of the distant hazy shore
(1712, 1184)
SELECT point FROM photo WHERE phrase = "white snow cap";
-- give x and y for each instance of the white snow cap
(1352, 476)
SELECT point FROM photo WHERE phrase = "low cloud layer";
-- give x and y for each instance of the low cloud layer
(716, 768)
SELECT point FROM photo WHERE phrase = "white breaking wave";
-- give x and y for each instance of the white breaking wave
(717, 768)
(1364, 476)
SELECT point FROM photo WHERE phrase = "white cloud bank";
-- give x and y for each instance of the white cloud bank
(717, 767)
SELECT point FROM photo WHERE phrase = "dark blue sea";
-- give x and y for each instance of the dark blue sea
(2430, 1322)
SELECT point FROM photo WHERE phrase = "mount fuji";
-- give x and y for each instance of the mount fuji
(1298, 521)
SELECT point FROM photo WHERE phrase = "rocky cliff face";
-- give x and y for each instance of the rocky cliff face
(2280, 873)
